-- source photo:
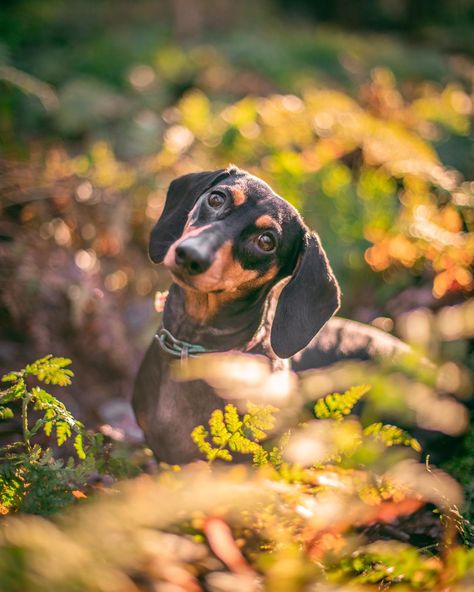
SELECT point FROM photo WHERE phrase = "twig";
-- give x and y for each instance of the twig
(24, 421)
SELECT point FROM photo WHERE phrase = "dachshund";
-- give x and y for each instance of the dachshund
(248, 275)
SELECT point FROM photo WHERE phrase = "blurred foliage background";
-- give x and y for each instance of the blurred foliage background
(359, 113)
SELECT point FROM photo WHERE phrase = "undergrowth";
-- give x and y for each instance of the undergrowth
(33, 477)
(301, 513)
(230, 433)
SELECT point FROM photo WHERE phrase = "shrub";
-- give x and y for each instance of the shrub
(33, 478)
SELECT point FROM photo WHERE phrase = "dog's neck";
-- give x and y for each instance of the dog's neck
(214, 321)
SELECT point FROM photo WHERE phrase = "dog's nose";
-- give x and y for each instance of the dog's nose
(192, 257)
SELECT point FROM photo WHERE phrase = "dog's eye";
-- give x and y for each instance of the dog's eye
(266, 242)
(215, 200)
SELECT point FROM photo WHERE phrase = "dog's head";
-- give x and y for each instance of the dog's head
(226, 231)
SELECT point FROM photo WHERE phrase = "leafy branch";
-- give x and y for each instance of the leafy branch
(31, 478)
(228, 432)
(337, 406)
(391, 435)
(50, 370)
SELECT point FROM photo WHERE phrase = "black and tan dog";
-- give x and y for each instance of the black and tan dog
(228, 240)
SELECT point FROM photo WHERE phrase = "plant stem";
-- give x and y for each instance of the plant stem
(24, 421)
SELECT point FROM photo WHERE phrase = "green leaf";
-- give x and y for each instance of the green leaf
(44, 400)
(79, 446)
(48, 426)
(259, 419)
(222, 454)
(5, 412)
(232, 420)
(63, 432)
(51, 370)
(230, 432)
(11, 377)
(199, 436)
(260, 456)
(218, 428)
(16, 391)
(391, 435)
(336, 405)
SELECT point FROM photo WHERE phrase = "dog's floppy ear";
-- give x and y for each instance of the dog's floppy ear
(180, 199)
(307, 302)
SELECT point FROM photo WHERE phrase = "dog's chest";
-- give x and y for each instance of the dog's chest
(181, 407)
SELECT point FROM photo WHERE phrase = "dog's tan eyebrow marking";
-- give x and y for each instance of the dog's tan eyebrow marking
(266, 221)
(238, 196)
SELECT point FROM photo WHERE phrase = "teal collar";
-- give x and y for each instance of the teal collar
(177, 347)
(184, 349)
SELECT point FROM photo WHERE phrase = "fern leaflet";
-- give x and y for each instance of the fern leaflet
(336, 405)
(391, 435)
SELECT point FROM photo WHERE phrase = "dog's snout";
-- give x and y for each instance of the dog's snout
(191, 256)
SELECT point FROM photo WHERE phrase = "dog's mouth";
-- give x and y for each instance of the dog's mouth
(183, 280)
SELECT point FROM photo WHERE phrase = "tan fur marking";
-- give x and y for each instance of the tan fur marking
(262, 279)
(238, 196)
(201, 306)
(265, 221)
(225, 274)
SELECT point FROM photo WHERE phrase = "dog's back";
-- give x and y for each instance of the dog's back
(341, 339)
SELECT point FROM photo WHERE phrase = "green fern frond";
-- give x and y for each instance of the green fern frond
(221, 454)
(48, 417)
(55, 410)
(79, 446)
(219, 431)
(232, 419)
(51, 370)
(259, 419)
(228, 432)
(44, 482)
(5, 412)
(275, 456)
(391, 435)
(44, 400)
(199, 436)
(14, 392)
(239, 443)
(63, 432)
(12, 377)
(260, 457)
(336, 405)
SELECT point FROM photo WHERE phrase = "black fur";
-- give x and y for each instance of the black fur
(181, 197)
(307, 302)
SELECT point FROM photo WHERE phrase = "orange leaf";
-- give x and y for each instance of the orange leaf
(78, 494)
